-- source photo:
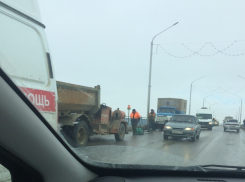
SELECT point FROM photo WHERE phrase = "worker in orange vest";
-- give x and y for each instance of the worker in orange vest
(135, 118)
(152, 116)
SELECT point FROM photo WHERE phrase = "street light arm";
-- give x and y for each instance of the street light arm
(212, 105)
(197, 79)
(163, 31)
(205, 98)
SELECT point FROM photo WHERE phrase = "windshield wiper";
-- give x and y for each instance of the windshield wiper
(222, 167)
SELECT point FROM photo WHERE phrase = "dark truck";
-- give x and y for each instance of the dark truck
(81, 115)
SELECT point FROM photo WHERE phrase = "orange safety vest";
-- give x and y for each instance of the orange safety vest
(135, 115)
(154, 114)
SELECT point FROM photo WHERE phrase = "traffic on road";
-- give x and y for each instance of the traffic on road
(91, 89)
(152, 149)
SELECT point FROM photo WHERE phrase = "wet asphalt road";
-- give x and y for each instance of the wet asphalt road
(213, 147)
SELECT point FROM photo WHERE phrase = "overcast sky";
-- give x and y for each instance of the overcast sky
(107, 43)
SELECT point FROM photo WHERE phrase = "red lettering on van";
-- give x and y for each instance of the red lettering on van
(43, 100)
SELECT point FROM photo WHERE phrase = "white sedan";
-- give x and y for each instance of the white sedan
(232, 124)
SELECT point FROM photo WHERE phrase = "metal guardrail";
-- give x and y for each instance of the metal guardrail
(143, 120)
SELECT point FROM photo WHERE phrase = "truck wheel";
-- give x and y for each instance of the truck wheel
(68, 130)
(194, 138)
(81, 134)
(238, 131)
(121, 133)
(224, 129)
(165, 137)
(65, 128)
(211, 128)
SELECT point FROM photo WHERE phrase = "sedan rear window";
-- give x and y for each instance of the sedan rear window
(232, 120)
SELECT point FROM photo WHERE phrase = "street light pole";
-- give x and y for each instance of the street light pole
(241, 107)
(149, 86)
(191, 93)
(205, 98)
(239, 111)
(241, 101)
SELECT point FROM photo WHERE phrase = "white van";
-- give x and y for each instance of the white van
(204, 116)
(25, 57)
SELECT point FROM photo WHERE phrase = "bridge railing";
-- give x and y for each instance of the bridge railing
(143, 120)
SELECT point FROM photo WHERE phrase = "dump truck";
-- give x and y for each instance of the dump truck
(167, 107)
(81, 115)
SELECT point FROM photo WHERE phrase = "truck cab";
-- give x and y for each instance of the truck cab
(165, 113)
(167, 107)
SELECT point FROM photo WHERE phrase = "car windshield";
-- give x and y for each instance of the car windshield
(232, 121)
(184, 119)
(204, 116)
(100, 72)
(165, 110)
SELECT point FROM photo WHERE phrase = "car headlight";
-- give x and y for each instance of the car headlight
(167, 127)
(189, 128)
(210, 122)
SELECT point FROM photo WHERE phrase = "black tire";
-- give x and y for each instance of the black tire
(121, 133)
(70, 131)
(165, 137)
(66, 129)
(194, 138)
(80, 134)
(211, 128)
(224, 129)
(238, 130)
